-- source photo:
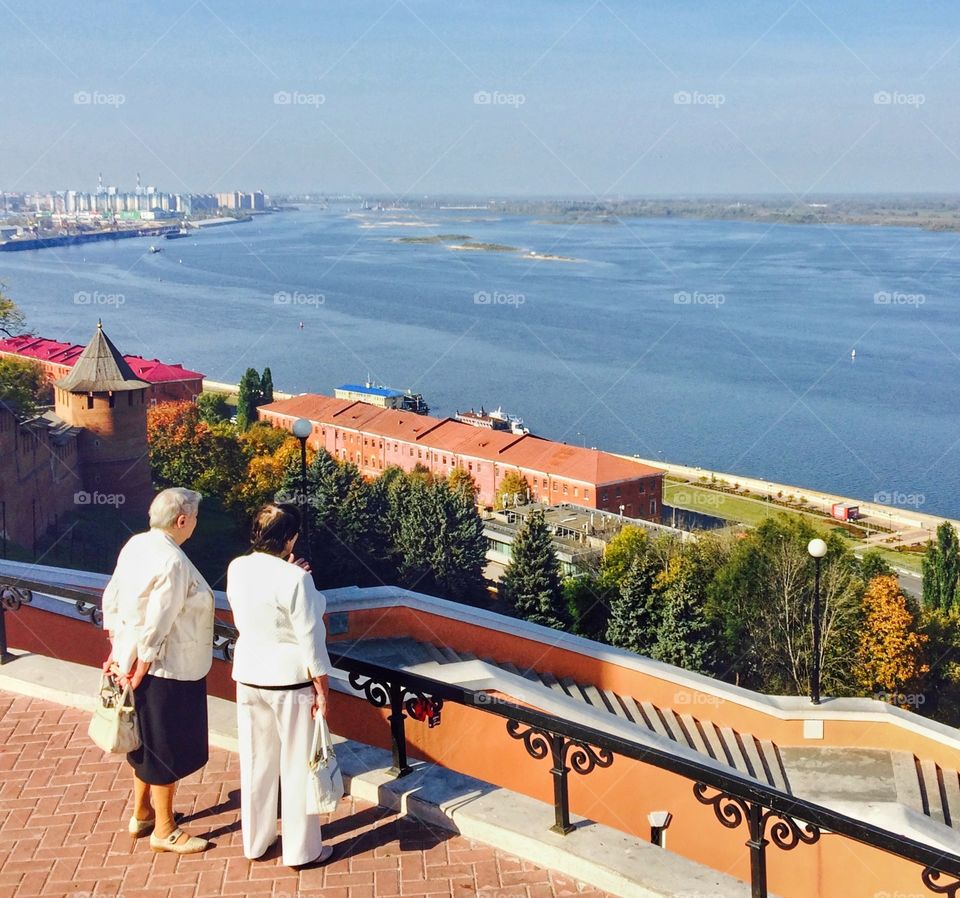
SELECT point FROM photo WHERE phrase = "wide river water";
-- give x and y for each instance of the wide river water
(720, 344)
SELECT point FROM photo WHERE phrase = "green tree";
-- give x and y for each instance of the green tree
(513, 489)
(760, 603)
(248, 398)
(636, 612)
(685, 636)
(213, 407)
(941, 569)
(873, 564)
(459, 551)
(12, 321)
(341, 522)
(588, 605)
(266, 387)
(531, 584)
(22, 386)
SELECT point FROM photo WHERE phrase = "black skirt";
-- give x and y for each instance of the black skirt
(172, 716)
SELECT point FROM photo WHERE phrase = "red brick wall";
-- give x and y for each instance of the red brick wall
(38, 481)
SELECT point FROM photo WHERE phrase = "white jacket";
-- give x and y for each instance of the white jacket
(279, 615)
(158, 608)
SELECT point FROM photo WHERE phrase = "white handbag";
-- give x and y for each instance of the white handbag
(114, 724)
(326, 781)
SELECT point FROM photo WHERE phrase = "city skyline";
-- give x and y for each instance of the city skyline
(399, 98)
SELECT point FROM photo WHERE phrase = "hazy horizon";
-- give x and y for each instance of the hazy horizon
(411, 97)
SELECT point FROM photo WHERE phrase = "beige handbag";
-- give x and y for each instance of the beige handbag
(326, 782)
(114, 724)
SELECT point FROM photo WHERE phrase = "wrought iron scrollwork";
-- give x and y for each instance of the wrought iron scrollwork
(930, 877)
(378, 694)
(13, 596)
(582, 757)
(730, 811)
(536, 742)
(90, 611)
(785, 832)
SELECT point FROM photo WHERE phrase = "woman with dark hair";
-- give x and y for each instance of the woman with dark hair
(281, 665)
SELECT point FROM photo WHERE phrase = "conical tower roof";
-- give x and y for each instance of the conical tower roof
(101, 369)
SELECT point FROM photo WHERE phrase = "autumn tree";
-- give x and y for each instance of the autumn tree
(629, 544)
(513, 490)
(12, 321)
(941, 569)
(178, 443)
(531, 584)
(22, 386)
(461, 480)
(889, 658)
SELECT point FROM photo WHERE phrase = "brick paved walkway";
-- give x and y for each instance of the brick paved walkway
(64, 807)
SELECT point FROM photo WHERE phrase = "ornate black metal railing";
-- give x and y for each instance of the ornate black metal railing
(735, 800)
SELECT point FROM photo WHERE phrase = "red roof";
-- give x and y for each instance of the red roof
(151, 370)
(530, 452)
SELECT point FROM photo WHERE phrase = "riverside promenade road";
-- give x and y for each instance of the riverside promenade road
(64, 807)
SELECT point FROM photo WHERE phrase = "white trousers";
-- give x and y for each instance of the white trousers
(275, 730)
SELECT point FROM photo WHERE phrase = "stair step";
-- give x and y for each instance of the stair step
(730, 742)
(572, 689)
(951, 791)
(774, 766)
(906, 780)
(715, 743)
(508, 667)
(632, 709)
(436, 654)
(672, 723)
(548, 679)
(596, 698)
(653, 719)
(451, 656)
(749, 745)
(616, 706)
(694, 737)
(930, 782)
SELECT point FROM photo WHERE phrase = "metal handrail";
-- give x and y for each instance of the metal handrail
(738, 800)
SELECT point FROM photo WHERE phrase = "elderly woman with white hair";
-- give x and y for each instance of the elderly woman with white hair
(158, 610)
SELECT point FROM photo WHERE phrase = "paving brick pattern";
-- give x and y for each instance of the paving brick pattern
(64, 808)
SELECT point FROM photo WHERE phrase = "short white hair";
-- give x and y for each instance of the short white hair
(169, 504)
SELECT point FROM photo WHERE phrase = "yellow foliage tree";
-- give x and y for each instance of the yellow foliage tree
(891, 649)
(265, 474)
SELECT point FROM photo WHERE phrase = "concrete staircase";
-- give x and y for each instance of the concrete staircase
(757, 758)
(928, 788)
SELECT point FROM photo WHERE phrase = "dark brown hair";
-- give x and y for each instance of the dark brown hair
(273, 526)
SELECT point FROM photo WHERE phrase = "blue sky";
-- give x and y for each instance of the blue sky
(588, 98)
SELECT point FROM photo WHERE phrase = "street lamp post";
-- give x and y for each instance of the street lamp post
(302, 428)
(817, 549)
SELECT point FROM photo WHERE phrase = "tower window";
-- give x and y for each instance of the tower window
(90, 402)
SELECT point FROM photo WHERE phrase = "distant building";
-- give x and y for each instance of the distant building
(90, 450)
(166, 383)
(375, 438)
